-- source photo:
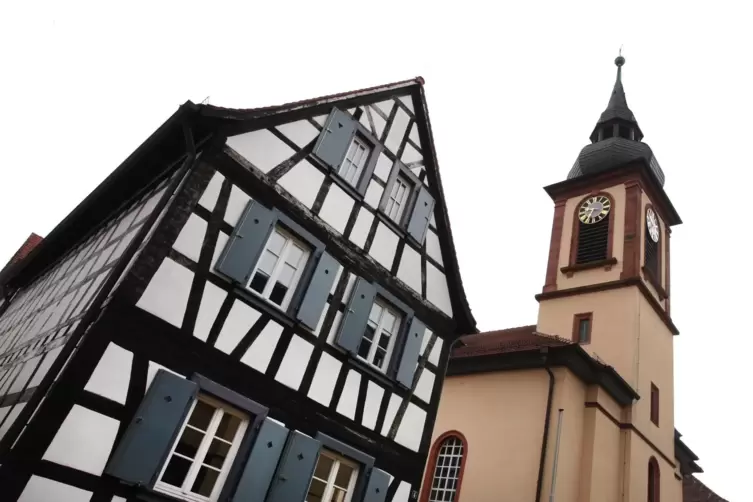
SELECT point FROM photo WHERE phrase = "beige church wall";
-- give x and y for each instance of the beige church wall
(502, 417)
(655, 365)
(645, 201)
(601, 477)
(614, 326)
(585, 277)
(640, 453)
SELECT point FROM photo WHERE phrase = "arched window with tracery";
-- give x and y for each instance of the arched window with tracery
(653, 480)
(445, 468)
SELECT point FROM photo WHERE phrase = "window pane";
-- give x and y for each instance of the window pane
(228, 427)
(316, 491)
(323, 467)
(286, 275)
(176, 471)
(201, 415)
(354, 162)
(583, 330)
(339, 495)
(259, 282)
(268, 262)
(365, 347)
(205, 481)
(189, 442)
(343, 476)
(379, 357)
(217, 453)
(278, 293)
(276, 241)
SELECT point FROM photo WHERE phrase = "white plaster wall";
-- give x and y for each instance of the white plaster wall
(373, 194)
(262, 148)
(336, 208)
(211, 302)
(303, 182)
(411, 427)
(167, 293)
(260, 352)
(235, 205)
(239, 320)
(384, 245)
(222, 239)
(379, 123)
(403, 492)
(409, 270)
(212, 192)
(11, 417)
(436, 289)
(410, 154)
(432, 246)
(294, 363)
(374, 394)
(360, 230)
(191, 237)
(112, 375)
(436, 351)
(389, 417)
(349, 396)
(83, 441)
(385, 106)
(325, 377)
(301, 132)
(40, 489)
(397, 131)
(425, 385)
(383, 167)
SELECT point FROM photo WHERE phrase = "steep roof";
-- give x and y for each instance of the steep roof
(693, 490)
(163, 150)
(505, 341)
(29, 244)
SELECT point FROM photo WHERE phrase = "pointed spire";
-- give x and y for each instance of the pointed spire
(617, 109)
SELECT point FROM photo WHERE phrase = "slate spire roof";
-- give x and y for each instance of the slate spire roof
(617, 108)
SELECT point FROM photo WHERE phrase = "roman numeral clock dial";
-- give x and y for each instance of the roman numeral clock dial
(594, 209)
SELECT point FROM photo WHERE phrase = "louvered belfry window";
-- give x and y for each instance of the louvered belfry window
(651, 256)
(593, 241)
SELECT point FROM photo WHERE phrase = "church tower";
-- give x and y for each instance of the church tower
(580, 405)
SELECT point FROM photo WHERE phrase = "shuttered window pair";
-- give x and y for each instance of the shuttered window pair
(372, 329)
(234, 452)
(273, 257)
(343, 146)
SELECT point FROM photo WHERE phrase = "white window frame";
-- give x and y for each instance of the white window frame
(348, 161)
(449, 442)
(400, 316)
(290, 240)
(392, 202)
(330, 481)
(184, 492)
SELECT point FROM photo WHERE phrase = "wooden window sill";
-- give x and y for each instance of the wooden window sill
(649, 276)
(607, 264)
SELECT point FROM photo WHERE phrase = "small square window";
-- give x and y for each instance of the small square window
(398, 198)
(200, 459)
(334, 478)
(355, 161)
(378, 339)
(280, 267)
(582, 326)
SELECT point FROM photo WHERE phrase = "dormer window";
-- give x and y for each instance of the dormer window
(625, 132)
(607, 132)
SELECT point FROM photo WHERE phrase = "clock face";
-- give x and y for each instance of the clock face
(652, 224)
(594, 209)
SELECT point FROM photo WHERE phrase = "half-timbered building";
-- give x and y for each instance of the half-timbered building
(257, 305)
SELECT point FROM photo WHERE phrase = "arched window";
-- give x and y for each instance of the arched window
(444, 472)
(653, 480)
(592, 230)
(652, 244)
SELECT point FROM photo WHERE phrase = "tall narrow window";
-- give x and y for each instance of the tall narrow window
(279, 269)
(651, 254)
(379, 337)
(398, 198)
(582, 328)
(654, 404)
(355, 161)
(654, 482)
(201, 457)
(445, 473)
(592, 239)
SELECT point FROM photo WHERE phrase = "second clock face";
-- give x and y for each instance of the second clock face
(652, 223)
(594, 209)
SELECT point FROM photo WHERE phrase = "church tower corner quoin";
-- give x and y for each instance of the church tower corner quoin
(579, 405)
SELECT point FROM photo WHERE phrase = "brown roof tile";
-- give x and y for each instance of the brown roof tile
(693, 490)
(505, 341)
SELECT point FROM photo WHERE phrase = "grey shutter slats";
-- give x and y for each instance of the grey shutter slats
(335, 138)
(294, 473)
(312, 305)
(356, 315)
(412, 347)
(247, 242)
(139, 455)
(262, 462)
(376, 490)
(419, 218)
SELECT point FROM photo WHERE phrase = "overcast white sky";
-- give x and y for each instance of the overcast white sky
(513, 94)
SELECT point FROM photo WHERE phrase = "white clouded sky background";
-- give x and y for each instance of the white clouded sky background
(514, 92)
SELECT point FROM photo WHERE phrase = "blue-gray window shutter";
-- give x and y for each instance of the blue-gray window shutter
(376, 490)
(296, 467)
(335, 138)
(262, 462)
(412, 347)
(247, 242)
(142, 450)
(356, 315)
(419, 218)
(317, 293)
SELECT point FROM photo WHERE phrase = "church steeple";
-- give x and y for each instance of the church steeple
(616, 140)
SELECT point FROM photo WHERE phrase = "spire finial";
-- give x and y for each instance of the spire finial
(619, 60)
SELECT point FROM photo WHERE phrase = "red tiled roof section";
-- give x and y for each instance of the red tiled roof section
(25, 249)
(506, 340)
(695, 491)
